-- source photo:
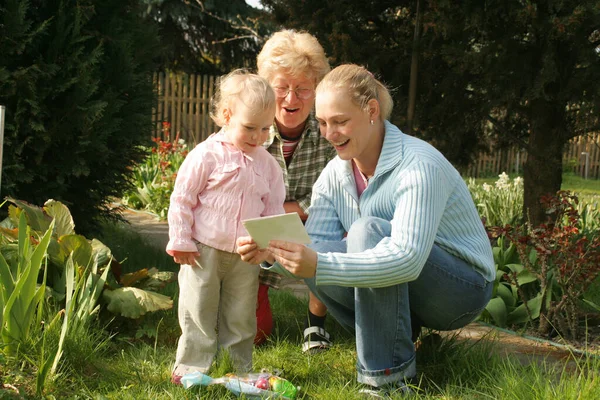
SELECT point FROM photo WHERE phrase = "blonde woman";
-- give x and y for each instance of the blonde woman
(415, 241)
(294, 63)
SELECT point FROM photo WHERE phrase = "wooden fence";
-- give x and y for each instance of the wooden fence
(184, 102)
(581, 156)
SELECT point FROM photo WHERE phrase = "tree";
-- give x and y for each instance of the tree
(534, 64)
(76, 80)
(490, 72)
(207, 36)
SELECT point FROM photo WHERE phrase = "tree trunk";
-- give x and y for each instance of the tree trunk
(542, 171)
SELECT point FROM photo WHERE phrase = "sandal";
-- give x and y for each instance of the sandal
(316, 340)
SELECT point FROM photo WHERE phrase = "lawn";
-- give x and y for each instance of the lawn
(122, 360)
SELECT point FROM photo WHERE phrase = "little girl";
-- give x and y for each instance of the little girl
(226, 179)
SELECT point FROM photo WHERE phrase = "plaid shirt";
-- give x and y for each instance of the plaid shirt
(310, 157)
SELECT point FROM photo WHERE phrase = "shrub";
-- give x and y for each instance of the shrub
(154, 179)
(547, 267)
(75, 77)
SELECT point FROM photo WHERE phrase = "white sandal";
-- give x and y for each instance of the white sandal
(322, 343)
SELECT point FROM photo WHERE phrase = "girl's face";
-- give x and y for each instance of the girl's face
(345, 125)
(295, 100)
(248, 129)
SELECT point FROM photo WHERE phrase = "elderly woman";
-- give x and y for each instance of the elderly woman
(415, 241)
(294, 63)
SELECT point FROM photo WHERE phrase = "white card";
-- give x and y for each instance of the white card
(288, 227)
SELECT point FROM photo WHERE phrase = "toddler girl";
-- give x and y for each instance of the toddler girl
(227, 178)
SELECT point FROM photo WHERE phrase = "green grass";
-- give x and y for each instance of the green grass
(125, 365)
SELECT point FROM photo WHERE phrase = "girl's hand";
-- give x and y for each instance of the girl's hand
(187, 257)
(249, 251)
(296, 258)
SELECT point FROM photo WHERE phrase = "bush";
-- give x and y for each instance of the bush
(75, 77)
(154, 179)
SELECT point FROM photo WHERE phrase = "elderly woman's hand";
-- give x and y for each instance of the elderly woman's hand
(296, 258)
(249, 251)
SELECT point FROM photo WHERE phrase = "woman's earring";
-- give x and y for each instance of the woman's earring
(372, 123)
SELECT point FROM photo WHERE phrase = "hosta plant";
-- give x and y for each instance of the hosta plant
(129, 296)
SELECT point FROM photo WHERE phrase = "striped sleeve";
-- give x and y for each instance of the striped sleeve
(419, 197)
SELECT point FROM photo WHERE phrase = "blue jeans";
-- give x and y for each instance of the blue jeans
(448, 294)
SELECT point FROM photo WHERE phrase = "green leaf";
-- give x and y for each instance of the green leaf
(79, 246)
(497, 310)
(101, 252)
(64, 224)
(132, 302)
(36, 217)
(519, 315)
(7, 282)
(524, 276)
(592, 304)
(507, 295)
(533, 256)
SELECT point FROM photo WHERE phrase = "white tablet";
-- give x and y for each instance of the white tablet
(288, 227)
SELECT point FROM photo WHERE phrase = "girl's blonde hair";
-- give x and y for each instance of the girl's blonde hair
(361, 85)
(240, 85)
(292, 53)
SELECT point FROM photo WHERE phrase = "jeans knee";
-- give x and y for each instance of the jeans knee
(366, 232)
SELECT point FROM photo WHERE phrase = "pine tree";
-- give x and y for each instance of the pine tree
(75, 77)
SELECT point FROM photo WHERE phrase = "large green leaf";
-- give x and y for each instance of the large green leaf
(37, 219)
(79, 246)
(497, 310)
(101, 252)
(519, 315)
(64, 224)
(507, 295)
(132, 302)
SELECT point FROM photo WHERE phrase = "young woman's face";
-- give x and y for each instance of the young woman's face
(248, 129)
(295, 100)
(345, 125)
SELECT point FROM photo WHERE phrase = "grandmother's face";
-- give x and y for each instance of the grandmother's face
(295, 100)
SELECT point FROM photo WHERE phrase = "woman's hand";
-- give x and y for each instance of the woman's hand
(296, 258)
(186, 257)
(249, 251)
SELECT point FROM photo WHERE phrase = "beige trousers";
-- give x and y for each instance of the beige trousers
(217, 311)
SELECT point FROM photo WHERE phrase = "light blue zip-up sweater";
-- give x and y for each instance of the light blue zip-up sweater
(423, 196)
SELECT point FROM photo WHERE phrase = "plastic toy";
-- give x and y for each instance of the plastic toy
(254, 386)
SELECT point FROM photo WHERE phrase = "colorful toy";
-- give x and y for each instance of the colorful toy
(254, 386)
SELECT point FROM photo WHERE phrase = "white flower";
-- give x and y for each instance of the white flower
(518, 181)
(486, 187)
(503, 182)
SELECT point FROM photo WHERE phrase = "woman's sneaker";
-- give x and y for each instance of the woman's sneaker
(385, 392)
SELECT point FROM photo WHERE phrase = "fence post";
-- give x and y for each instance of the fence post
(587, 162)
(1, 142)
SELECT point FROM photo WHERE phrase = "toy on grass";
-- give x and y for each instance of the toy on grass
(254, 386)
